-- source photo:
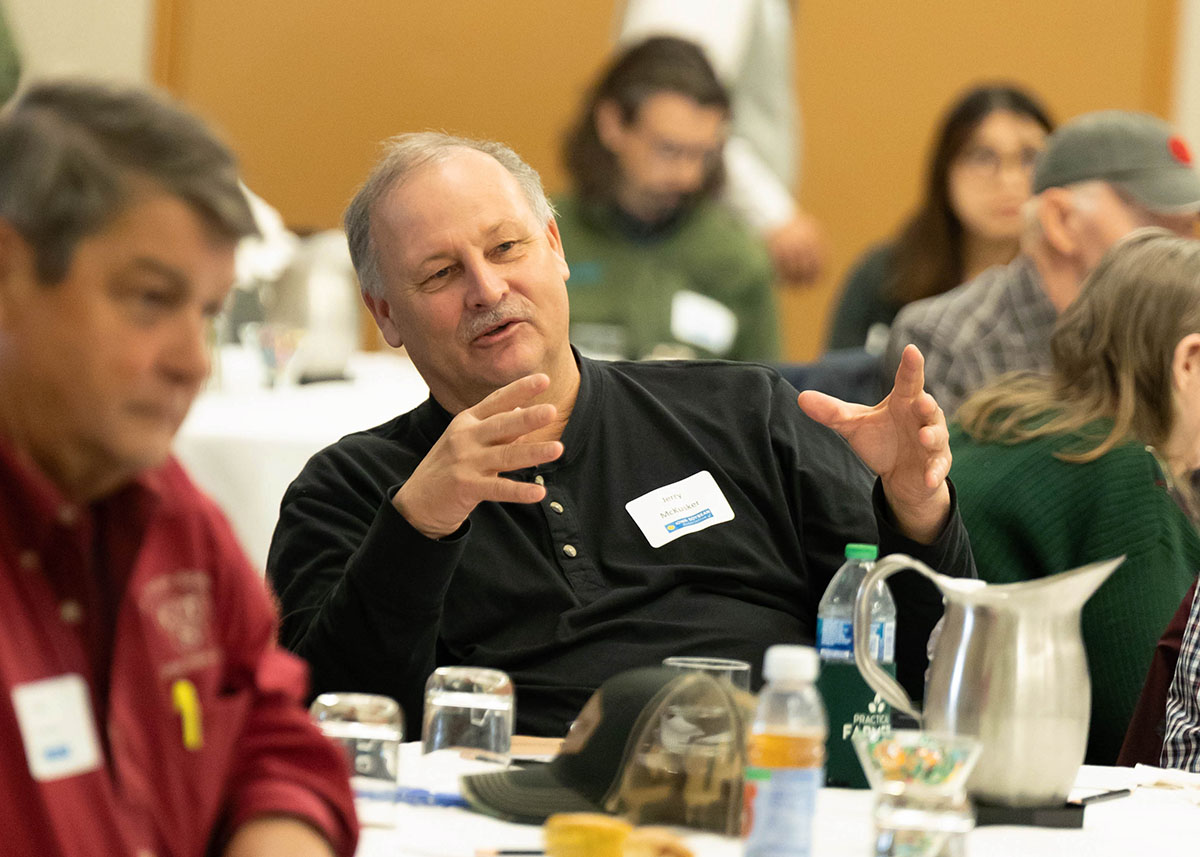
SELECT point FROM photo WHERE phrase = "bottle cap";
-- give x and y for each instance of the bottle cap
(860, 551)
(795, 663)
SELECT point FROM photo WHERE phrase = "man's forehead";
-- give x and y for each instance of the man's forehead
(466, 194)
(459, 174)
(163, 231)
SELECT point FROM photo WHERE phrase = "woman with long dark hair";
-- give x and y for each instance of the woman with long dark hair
(1092, 461)
(969, 218)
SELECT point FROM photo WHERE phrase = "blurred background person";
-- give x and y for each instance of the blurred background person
(659, 268)
(749, 43)
(1101, 176)
(969, 218)
(1091, 461)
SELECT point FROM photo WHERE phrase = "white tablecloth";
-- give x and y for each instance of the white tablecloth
(1150, 821)
(244, 444)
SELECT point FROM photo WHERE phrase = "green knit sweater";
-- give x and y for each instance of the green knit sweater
(625, 287)
(1030, 514)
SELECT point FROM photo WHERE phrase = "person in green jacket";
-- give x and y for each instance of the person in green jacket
(1092, 461)
(659, 268)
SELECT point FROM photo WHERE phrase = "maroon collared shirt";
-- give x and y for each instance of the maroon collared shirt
(147, 597)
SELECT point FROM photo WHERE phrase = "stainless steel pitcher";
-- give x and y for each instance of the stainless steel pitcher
(1009, 668)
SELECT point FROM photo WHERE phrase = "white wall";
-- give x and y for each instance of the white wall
(102, 38)
(1187, 74)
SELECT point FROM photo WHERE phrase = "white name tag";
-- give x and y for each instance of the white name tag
(700, 320)
(55, 718)
(679, 509)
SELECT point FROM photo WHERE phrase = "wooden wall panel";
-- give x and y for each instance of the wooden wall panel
(305, 89)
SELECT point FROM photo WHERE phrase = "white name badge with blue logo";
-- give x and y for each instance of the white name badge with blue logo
(55, 718)
(680, 509)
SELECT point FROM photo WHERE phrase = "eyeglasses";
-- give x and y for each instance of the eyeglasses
(986, 162)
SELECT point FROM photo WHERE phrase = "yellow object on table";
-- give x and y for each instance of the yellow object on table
(585, 834)
(592, 834)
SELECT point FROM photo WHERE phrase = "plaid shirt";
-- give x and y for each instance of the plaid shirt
(999, 322)
(1181, 745)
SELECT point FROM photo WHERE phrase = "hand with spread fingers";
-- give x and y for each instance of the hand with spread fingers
(463, 468)
(903, 439)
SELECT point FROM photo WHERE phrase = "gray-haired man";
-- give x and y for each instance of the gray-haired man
(565, 519)
(145, 707)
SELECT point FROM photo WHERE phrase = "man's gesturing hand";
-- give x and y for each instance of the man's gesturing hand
(903, 439)
(463, 468)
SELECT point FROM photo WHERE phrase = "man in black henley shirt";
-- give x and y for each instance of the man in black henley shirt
(564, 519)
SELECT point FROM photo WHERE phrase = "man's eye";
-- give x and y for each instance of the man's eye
(505, 246)
(156, 299)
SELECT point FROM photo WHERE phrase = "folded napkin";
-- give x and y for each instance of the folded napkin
(1186, 782)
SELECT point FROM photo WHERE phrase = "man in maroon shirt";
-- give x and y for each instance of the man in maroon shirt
(145, 708)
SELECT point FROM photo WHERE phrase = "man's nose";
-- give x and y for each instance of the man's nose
(186, 357)
(487, 286)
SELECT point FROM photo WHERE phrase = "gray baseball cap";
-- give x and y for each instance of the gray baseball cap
(1135, 152)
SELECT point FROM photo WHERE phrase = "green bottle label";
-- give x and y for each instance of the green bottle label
(852, 707)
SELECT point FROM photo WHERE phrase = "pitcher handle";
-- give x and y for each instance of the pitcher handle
(882, 683)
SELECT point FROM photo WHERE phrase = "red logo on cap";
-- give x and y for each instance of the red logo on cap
(1180, 150)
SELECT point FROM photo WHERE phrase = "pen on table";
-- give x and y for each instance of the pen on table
(508, 852)
(424, 797)
(1103, 796)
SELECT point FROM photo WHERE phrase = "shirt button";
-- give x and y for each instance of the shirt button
(70, 611)
(569, 550)
(556, 506)
(539, 479)
(28, 560)
(67, 515)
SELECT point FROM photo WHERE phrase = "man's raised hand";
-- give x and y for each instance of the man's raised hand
(903, 439)
(463, 468)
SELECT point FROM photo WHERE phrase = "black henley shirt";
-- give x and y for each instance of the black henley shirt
(564, 593)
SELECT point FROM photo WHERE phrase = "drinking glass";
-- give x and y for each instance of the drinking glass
(469, 708)
(369, 728)
(733, 671)
(685, 765)
(920, 784)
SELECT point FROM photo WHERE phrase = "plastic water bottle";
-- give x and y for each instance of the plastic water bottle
(785, 756)
(853, 706)
(835, 613)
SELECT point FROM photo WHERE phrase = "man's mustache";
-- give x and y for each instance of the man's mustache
(487, 319)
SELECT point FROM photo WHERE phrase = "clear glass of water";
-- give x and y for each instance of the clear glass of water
(469, 708)
(736, 672)
(369, 728)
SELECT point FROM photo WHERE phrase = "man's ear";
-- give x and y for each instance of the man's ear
(556, 245)
(381, 310)
(1060, 221)
(610, 125)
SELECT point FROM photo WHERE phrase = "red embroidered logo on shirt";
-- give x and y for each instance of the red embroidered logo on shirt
(179, 605)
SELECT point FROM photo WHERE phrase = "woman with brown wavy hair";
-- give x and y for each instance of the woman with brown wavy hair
(1092, 461)
(969, 217)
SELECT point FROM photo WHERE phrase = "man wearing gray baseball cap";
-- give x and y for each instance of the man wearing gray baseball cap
(1101, 176)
